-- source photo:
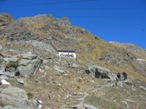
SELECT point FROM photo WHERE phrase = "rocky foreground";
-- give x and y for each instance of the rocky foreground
(33, 76)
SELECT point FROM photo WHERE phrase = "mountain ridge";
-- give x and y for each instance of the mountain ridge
(61, 35)
(65, 80)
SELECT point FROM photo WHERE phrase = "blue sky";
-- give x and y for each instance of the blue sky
(112, 20)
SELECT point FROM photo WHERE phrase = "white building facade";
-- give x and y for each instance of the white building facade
(67, 53)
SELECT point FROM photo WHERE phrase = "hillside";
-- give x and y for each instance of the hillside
(139, 53)
(136, 50)
(60, 82)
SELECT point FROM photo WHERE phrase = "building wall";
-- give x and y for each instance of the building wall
(68, 54)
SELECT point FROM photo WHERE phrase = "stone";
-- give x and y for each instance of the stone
(129, 100)
(63, 22)
(43, 45)
(126, 104)
(2, 69)
(25, 66)
(1, 72)
(29, 56)
(24, 62)
(30, 68)
(4, 77)
(18, 98)
(77, 106)
(14, 94)
(10, 74)
(6, 59)
(35, 61)
(47, 68)
(21, 81)
(12, 64)
(58, 69)
(87, 106)
(101, 72)
(13, 59)
(9, 107)
(26, 71)
(142, 87)
(45, 61)
(75, 66)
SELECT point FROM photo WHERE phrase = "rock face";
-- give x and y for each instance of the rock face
(41, 45)
(101, 72)
(28, 65)
(16, 97)
(5, 19)
(23, 65)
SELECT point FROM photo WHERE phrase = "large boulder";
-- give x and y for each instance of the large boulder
(101, 72)
(16, 98)
(26, 71)
(29, 65)
(23, 65)
(12, 64)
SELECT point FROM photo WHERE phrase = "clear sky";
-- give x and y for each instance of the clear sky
(112, 20)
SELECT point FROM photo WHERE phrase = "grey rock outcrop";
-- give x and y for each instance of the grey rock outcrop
(12, 64)
(14, 95)
(4, 74)
(24, 62)
(29, 56)
(16, 98)
(23, 65)
(42, 45)
(101, 72)
(5, 19)
(28, 65)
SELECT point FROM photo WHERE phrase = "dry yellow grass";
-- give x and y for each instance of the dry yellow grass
(101, 47)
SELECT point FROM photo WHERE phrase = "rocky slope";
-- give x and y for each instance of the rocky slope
(140, 55)
(29, 61)
(136, 50)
